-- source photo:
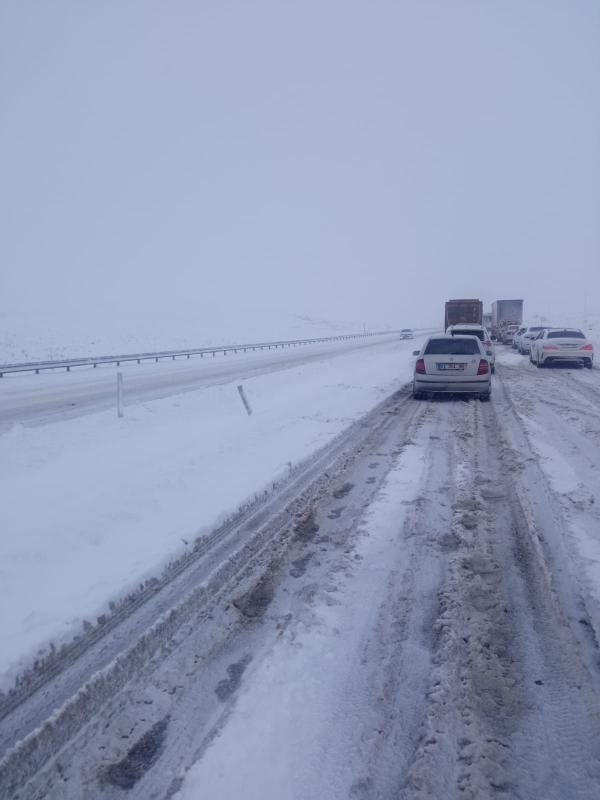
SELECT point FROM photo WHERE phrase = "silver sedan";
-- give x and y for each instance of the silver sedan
(452, 364)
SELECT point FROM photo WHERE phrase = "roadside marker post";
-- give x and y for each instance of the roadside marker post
(240, 389)
(119, 394)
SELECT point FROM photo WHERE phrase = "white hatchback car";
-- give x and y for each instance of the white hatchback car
(482, 333)
(452, 364)
(561, 344)
(525, 336)
(516, 342)
(508, 333)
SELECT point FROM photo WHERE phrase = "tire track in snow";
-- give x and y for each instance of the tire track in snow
(512, 705)
(262, 538)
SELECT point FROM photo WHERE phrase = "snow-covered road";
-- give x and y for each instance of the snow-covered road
(414, 615)
(54, 395)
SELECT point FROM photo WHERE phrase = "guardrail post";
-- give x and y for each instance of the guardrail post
(119, 394)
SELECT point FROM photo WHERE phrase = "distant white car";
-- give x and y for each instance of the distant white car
(508, 333)
(482, 333)
(522, 341)
(407, 333)
(517, 337)
(452, 364)
(561, 344)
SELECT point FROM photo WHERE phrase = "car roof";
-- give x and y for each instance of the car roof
(449, 336)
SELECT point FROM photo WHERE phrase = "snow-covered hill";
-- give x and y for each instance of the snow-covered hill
(49, 335)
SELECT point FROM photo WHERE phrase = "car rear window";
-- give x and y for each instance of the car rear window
(451, 347)
(469, 332)
(565, 334)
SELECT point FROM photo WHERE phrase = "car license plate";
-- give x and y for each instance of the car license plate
(450, 366)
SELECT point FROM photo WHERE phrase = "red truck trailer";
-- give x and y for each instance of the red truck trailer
(459, 312)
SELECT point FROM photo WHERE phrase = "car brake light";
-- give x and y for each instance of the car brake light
(586, 347)
(483, 367)
(420, 367)
(550, 347)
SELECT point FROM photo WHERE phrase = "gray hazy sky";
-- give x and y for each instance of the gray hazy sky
(358, 160)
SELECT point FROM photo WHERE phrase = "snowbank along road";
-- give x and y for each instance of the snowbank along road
(414, 613)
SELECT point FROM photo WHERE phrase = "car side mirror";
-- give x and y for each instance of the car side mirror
(416, 352)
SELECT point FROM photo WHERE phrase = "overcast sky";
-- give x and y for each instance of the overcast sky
(353, 160)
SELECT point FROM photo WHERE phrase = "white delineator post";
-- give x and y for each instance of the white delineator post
(119, 394)
(240, 389)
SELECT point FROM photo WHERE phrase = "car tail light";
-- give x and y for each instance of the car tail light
(420, 367)
(586, 347)
(550, 347)
(483, 367)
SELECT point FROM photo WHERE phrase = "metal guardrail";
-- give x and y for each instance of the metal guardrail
(93, 361)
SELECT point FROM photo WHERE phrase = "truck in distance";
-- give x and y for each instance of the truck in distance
(460, 312)
(505, 313)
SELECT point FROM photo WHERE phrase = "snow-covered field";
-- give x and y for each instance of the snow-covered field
(92, 506)
(49, 335)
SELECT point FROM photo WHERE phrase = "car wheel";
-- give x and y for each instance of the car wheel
(588, 363)
(539, 363)
(417, 395)
(493, 369)
(485, 397)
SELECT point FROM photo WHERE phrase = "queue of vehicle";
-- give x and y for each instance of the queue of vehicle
(462, 359)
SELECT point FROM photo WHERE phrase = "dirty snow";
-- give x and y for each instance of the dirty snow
(275, 730)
